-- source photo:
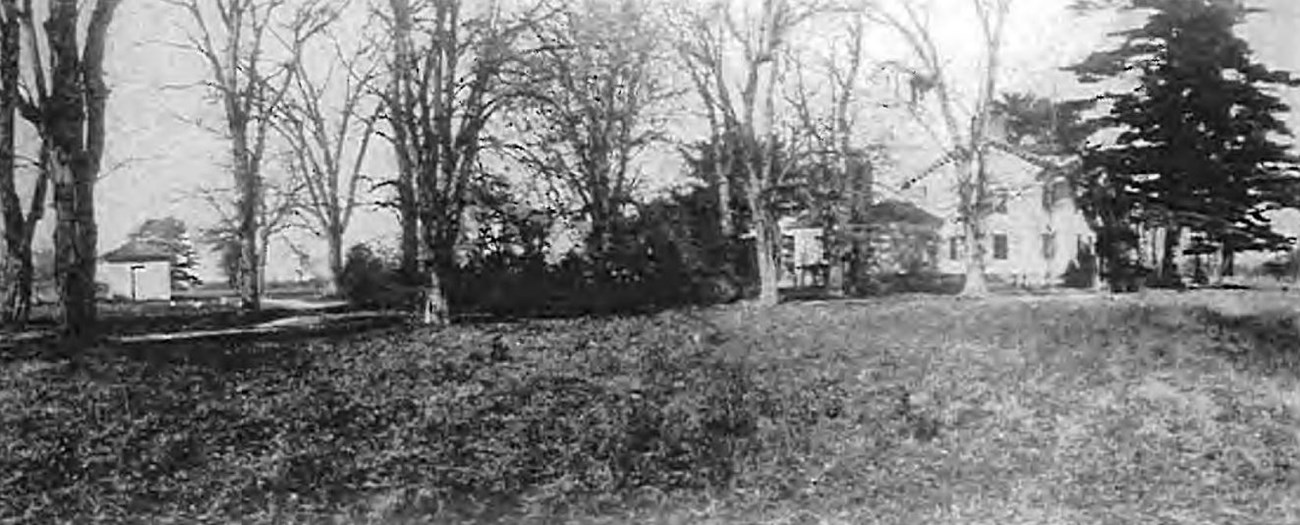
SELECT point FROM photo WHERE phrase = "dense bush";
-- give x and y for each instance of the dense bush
(1283, 267)
(661, 257)
(1081, 272)
(370, 281)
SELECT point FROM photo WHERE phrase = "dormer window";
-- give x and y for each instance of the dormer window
(1000, 202)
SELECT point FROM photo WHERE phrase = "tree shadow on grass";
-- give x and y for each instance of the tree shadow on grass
(1267, 341)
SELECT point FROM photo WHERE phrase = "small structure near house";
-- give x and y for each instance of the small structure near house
(803, 257)
(903, 238)
(137, 271)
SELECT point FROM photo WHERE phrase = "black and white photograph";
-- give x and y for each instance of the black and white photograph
(663, 262)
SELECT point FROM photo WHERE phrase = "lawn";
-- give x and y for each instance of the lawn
(1159, 408)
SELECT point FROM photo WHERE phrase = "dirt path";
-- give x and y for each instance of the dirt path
(297, 323)
(301, 305)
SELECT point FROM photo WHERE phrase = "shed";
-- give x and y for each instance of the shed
(137, 271)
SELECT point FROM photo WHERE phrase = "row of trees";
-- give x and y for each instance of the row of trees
(584, 85)
(572, 93)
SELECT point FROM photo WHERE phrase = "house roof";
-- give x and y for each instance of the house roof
(895, 211)
(1006, 172)
(138, 251)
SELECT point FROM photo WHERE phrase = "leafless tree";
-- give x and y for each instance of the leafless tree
(250, 81)
(830, 133)
(19, 227)
(590, 91)
(279, 211)
(64, 99)
(761, 39)
(967, 143)
(701, 45)
(447, 58)
(328, 122)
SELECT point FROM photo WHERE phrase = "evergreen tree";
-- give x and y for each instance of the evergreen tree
(173, 236)
(1198, 147)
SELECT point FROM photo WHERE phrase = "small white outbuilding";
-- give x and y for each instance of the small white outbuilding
(137, 271)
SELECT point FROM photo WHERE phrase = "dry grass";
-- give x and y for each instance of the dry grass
(1155, 408)
(1161, 408)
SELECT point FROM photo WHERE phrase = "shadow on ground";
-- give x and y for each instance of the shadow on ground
(1267, 342)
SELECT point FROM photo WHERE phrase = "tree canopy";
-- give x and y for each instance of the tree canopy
(1199, 140)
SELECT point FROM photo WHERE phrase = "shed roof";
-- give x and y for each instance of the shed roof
(136, 250)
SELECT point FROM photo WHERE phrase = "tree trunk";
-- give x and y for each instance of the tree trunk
(75, 238)
(973, 228)
(833, 233)
(335, 284)
(765, 244)
(723, 187)
(250, 275)
(833, 242)
(75, 127)
(1169, 258)
(263, 256)
(976, 284)
(17, 280)
(435, 312)
(1227, 262)
(17, 276)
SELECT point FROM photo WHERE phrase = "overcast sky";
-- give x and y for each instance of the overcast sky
(161, 158)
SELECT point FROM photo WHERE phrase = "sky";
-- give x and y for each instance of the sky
(158, 155)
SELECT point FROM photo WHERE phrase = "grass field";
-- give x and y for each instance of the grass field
(1161, 408)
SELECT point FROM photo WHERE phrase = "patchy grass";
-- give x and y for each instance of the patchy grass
(1152, 408)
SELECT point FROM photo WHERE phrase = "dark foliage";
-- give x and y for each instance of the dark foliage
(1197, 148)
(662, 258)
(665, 256)
(369, 281)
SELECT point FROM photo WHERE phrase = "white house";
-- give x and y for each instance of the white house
(1035, 232)
(137, 271)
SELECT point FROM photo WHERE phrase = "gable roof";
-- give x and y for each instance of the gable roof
(136, 250)
(894, 211)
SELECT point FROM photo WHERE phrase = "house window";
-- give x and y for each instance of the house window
(1000, 246)
(1049, 246)
(954, 248)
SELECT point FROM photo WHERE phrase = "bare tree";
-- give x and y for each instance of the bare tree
(966, 144)
(65, 101)
(830, 134)
(328, 142)
(232, 38)
(279, 211)
(701, 47)
(761, 39)
(591, 86)
(19, 227)
(444, 87)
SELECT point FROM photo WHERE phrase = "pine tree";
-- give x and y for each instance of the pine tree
(173, 236)
(1198, 144)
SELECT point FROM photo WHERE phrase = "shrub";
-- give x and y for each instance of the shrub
(1284, 267)
(1081, 272)
(368, 281)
